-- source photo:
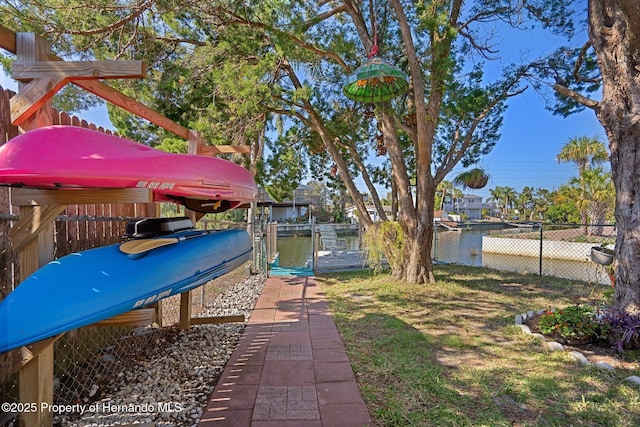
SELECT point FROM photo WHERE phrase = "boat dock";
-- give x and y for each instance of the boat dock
(326, 262)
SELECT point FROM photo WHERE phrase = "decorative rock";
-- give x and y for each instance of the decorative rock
(172, 386)
(634, 379)
(579, 357)
(604, 365)
(525, 329)
(94, 390)
(555, 346)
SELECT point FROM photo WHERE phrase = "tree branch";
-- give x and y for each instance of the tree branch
(139, 10)
(580, 99)
(240, 20)
(326, 15)
(579, 62)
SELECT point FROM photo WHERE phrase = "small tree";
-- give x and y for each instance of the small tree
(585, 152)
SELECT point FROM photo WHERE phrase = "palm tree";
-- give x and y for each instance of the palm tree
(541, 201)
(496, 197)
(503, 197)
(598, 188)
(564, 203)
(585, 152)
(509, 195)
(525, 200)
(444, 187)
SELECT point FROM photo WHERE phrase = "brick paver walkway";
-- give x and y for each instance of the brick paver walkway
(290, 367)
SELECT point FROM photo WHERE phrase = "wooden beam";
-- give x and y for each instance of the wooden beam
(217, 319)
(33, 238)
(78, 70)
(213, 150)
(139, 317)
(42, 197)
(32, 221)
(116, 98)
(8, 42)
(48, 77)
(197, 146)
(31, 48)
(23, 355)
(32, 97)
(98, 88)
(7, 39)
(36, 386)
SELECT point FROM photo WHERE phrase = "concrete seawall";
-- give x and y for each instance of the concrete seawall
(554, 249)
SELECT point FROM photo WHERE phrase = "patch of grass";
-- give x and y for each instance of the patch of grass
(448, 354)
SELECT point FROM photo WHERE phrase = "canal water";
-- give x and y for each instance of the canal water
(295, 251)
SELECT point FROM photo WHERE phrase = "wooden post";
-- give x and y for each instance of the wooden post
(185, 310)
(36, 377)
(185, 298)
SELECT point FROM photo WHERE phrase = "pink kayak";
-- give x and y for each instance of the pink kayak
(68, 157)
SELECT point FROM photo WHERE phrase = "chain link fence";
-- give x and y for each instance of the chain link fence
(558, 250)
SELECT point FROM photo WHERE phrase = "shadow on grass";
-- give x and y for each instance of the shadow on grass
(446, 354)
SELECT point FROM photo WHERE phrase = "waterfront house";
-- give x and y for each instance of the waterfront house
(469, 206)
(352, 213)
(293, 209)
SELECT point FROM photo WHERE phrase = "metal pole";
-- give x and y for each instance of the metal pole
(313, 244)
(435, 243)
(540, 267)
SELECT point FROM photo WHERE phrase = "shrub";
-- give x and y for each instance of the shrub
(571, 323)
(620, 328)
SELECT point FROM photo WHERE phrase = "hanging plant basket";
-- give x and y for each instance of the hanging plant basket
(475, 178)
(375, 81)
(601, 255)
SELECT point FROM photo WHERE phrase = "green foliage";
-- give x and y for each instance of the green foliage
(173, 145)
(384, 241)
(283, 171)
(575, 322)
(561, 67)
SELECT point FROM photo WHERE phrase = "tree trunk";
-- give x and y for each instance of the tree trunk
(419, 268)
(614, 31)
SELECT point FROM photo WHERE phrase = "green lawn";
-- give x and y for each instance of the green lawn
(449, 354)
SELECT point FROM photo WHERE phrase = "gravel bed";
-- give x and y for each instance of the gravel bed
(171, 387)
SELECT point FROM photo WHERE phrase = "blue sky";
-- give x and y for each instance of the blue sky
(531, 139)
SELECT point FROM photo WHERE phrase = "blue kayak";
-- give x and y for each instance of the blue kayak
(85, 287)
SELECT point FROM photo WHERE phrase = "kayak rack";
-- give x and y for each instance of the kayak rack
(32, 237)
(41, 74)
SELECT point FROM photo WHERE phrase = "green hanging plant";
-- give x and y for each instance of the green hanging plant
(474, 178)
